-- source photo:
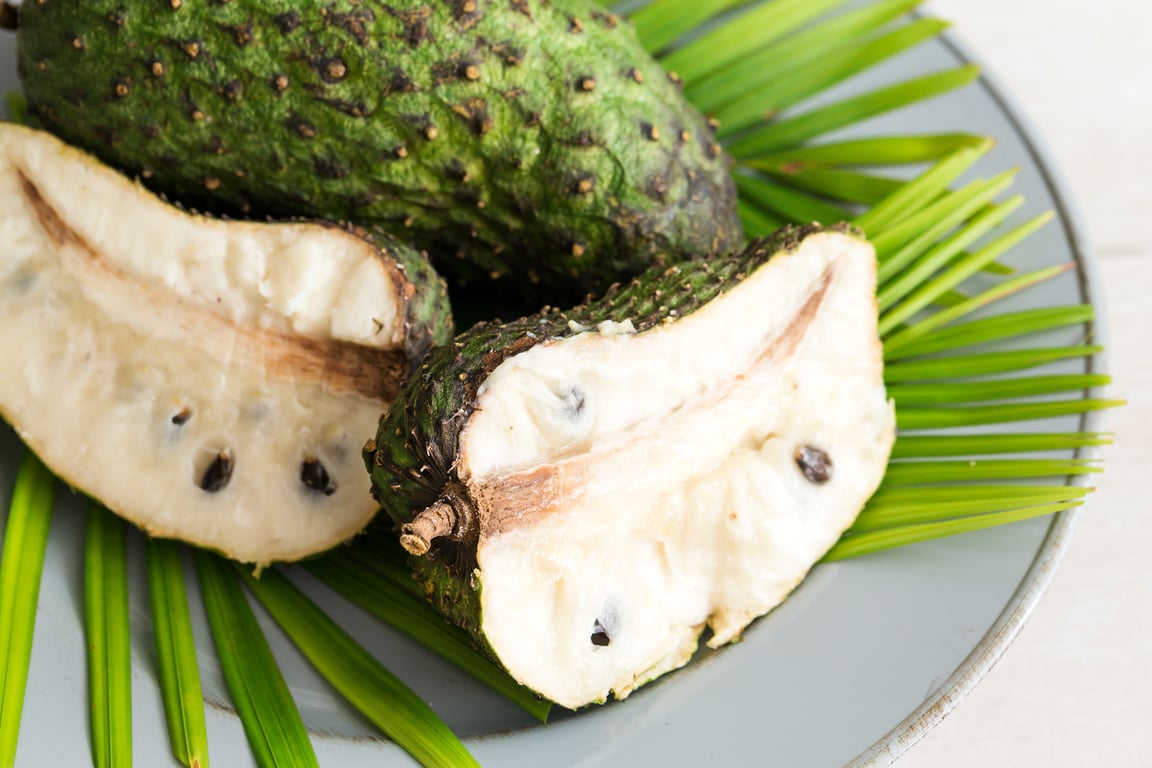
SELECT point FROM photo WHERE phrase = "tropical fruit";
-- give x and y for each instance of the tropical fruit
(534, 143)
(586, 492)
(208, 380)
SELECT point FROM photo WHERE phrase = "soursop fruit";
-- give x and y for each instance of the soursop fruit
(587, 492)
(208, 380)
(533, 142)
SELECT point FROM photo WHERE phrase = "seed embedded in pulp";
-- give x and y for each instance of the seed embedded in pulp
(814, 463)
(313, 475)
(219, 472)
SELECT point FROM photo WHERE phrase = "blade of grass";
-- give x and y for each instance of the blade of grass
(746, 32)
(900, 245)
(932, 446)
(757, 222)
(995, 329)
(21, 565)
(108, 639)
(915, 278)
(946, 418)
(785, 57)
(836, 184)
(809, 125)
(796, 207)
(963, 268)
(272, 723)
(346, 575)
(377, 693)
(999, 389)
(877, 541)
(969, 305)
(929, 510)
(984, 364)
(922, 472)
(885, 150)
(773, 96)
(178, 670)
(663, 22)
(921, 191)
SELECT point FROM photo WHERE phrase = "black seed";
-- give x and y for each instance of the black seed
(600, 636)
(315, 476)
(218, 473)
(181, 418)
(814, 463)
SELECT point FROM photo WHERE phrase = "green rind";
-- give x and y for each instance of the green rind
(413, 458)
(535, 142)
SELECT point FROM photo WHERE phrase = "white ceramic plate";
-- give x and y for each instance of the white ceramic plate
(864, 658)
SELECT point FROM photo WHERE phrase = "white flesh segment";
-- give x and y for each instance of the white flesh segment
(290, 278)
(95, 373)
(698, 514)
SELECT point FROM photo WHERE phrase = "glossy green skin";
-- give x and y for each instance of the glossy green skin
(413, 458)
(530, 141)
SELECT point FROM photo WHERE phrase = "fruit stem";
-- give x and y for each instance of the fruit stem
(434, 521)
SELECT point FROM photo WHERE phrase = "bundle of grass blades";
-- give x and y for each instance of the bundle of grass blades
(958, 382)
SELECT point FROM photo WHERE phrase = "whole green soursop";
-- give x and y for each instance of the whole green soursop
(587, 492)
(533, 142)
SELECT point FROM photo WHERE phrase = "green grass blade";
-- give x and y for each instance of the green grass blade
(967, 306)
(810, 125)
(272, 723)
(347, 575)
(17, 107)
(995, 329)
(947, 418)
(21, 565)
(983, 364)
(792, 55)
(795, 207)
(877, 541)
(108, 639)
(928, 509)
(737, 38)
(915, 278)
(923, 472)
(902, 244)
(377, 693)
(178, 668)
(836, 184)
(663, 22)
(871, 152)
(921, 191)
(936, 446)
(776, 95)
(960, 270)
(999, 389)
(757, 222)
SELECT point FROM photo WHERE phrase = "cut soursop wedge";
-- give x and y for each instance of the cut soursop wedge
(208, 380)
(588, 492)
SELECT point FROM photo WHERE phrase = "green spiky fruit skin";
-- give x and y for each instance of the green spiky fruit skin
(413, 457)
(428, 319)
(532, 141)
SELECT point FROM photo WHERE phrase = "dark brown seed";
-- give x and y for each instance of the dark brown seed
(315, 476)
(181, 418)
(218, 473)
(600, 636)
(814, 463)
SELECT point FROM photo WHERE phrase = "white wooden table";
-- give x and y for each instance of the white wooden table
(1075, 689)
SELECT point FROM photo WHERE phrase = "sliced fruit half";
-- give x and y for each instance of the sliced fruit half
(587, 492)
(208, 380)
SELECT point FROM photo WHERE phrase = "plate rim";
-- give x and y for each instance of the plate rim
(1038, 578)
